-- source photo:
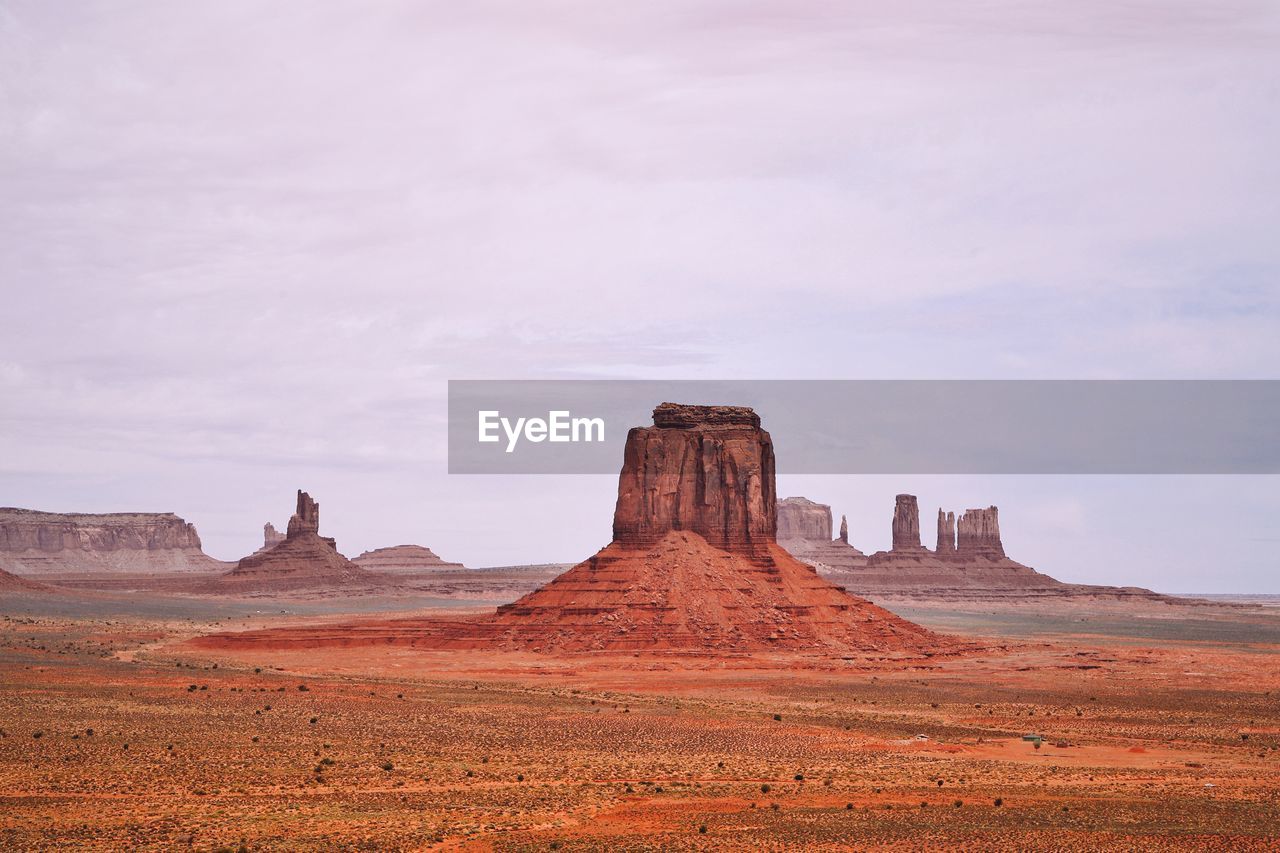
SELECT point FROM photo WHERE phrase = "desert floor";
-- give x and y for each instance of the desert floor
(117, 734)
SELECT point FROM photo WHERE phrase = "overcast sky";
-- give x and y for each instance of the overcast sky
(244, 245)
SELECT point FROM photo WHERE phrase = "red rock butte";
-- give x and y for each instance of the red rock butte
(303, 559)
(694, 567)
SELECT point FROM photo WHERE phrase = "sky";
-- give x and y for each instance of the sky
(245, 246)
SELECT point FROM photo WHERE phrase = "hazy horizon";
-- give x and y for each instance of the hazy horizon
(248, 245)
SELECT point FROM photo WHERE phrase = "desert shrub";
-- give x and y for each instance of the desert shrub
(388, 766)
(999, 802)
(702, 828)
(765, 788)
(778, 717)
(958, 803)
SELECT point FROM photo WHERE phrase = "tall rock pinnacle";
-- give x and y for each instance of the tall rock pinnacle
(844, 530)
(906, 524)
(946, 533)
(307, 517)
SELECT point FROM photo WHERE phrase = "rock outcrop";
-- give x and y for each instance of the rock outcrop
(303, 563)
(404, 560)
(705, 469)
(48, 543)
(844, 530)
(978, 533)
(946, 533)
(694, 568)
(801, 518)
(906, 524)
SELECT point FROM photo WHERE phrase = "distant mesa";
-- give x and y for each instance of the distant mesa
(302, 561)
(695, 567)
(804, 529)
(404, 560)
(44, 544)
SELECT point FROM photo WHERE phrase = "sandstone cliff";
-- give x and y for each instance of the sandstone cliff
(44, 543)
(705, 469)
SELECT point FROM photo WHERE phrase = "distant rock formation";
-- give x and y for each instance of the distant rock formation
(906, 524)
(969, 563)
(304, 562)
(804, 530)
(271, 536)
(978, 533)
(801, 518)
(704, 469)
(946, 533)
(47, 543)
(700, 473)
(404, 560)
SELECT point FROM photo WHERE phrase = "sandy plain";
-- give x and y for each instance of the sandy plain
(119, 732)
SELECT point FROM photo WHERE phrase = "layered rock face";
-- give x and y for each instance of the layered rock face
(41, 543)
(705, 469)
(304, 562)
(801, 518)
(403, 560)
(978, 533)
